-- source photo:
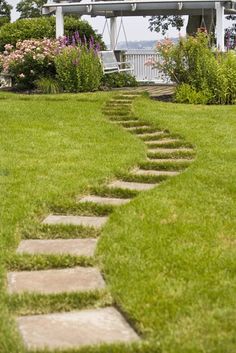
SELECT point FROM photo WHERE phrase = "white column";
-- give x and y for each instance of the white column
(220, 31)
(59, 22)
(113, 32)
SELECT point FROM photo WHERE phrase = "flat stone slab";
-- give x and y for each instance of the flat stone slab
(79, 247)
(123, 121)
(86, 221)
(170, 150)
(151, 134)
(133, 128)
(126, 185)
(105, 200)
(161, 142)
(75, 329)
(155, 172)
(169, 160)
(77, 279)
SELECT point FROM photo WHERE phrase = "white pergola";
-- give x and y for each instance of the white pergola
(116, 8)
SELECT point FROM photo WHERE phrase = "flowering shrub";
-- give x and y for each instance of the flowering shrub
(74, 63)
(78, 67)
(66, 69)
(30, 60)
(89, 70)
(193, 63)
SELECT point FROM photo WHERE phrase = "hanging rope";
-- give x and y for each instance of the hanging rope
(203, 23)
(122, 27)
(106, 25)
(212, 29)
(203, 27)
(126, 40)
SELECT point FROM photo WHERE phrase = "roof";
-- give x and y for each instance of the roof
(139, 7)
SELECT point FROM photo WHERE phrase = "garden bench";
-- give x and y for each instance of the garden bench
(110, 63)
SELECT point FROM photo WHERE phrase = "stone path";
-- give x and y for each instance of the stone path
(100, 325)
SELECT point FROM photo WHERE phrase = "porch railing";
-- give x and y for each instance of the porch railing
(143, 71)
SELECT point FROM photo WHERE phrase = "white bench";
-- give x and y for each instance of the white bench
(110, 63)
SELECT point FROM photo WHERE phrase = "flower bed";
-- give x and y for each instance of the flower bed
(202, 75)
(73, 64)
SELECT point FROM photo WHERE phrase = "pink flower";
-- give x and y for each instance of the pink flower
(22, 75)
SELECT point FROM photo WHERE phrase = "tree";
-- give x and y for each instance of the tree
(30, 8)
(163, 23)
(5, 12)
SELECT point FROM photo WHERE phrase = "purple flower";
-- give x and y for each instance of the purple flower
(73, 41)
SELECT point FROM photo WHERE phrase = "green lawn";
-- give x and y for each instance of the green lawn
(169, 256)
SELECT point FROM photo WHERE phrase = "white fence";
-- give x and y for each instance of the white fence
(143, 71)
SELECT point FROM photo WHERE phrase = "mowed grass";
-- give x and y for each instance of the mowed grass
(53, 148)
(169, 257)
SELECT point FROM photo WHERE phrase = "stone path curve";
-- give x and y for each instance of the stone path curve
(167, 156)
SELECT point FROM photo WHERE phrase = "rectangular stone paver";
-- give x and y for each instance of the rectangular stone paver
(55, 281)
(170, 150)
(79, 247)
(126, 185)
(86, 221)
(155, 172)
(105, 200)
(167, 160)
(151, 134)
(75, 329)
(124, 122)
(161, 142)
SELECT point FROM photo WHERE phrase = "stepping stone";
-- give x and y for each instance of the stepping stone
(120, 102)
(126, 185)
(155, 172)
(160, 142)
(130, 95)
(166, 160)
(105, 200)
(123, 121)
(86, 221)
(79, 247)
(75, 329)
(77, 279)
(133, 128)
(152, 134)
(170, 150)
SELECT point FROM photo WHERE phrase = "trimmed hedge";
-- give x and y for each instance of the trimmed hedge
(44, 27)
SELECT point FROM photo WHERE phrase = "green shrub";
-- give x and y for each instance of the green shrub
(208, 76)
(89, 70)
(78, 69)
(44, 27)
(119, 79)
(48, 85)
(186, 94)
(30, 60)
(66, 70)
(229, 72)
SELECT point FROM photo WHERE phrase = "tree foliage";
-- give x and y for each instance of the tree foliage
(30, 8)
(163, 23)
(44, 27)
(5, 12)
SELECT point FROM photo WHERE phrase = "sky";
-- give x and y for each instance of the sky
(136, 27)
